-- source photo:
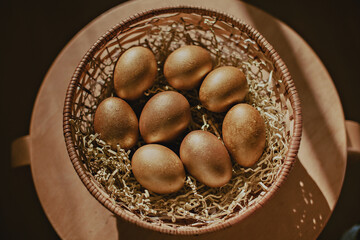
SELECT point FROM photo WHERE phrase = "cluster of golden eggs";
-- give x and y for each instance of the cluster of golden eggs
(166, 116)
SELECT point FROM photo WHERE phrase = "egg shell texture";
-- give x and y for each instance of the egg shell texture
(206, 158)
(164, 117)
(244, 134)
(135, 72)
(222, 88)
(185, 68)
(116, 123)
(158, 169)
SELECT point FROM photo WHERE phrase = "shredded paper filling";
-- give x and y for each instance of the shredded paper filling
(195, 204)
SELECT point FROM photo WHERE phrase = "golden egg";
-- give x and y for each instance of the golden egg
(206, 158)
(186, 66)
(135, 72)
(158, 169)
(244, 134)
(116, 123)
(222, 88)
(164, 117)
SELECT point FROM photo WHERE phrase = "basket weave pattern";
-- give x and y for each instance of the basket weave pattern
(91, 83)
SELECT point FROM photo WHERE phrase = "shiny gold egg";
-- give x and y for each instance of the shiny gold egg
(244, 134)
(206, 158)
(222, 88)
(116, 123)
(186, 66)
(135, 71)
(164, 117)
(158, 169)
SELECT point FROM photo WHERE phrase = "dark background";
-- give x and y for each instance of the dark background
(34, 32)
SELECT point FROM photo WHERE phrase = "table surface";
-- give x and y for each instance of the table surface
(303, 204)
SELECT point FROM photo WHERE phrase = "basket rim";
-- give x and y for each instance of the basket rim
(269, 52)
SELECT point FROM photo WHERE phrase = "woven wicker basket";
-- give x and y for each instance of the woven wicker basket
(91, 83)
